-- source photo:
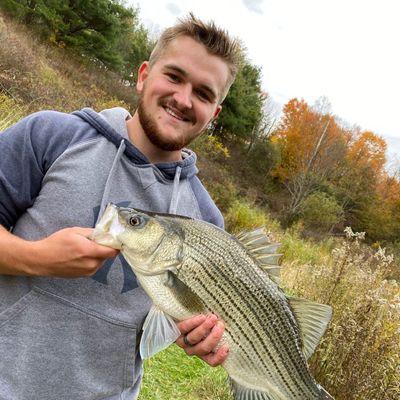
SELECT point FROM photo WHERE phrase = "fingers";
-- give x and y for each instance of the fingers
(205, 344)
(217, 358)
(68, 253)
(201, 336)
(206, 334)
(103, 252)
(188, 325)
(98, 251)
(82, 231)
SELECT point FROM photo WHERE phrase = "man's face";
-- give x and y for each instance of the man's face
(180, 93)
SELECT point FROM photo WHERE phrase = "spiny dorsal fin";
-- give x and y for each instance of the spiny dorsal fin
(313, 319)
(263, 250)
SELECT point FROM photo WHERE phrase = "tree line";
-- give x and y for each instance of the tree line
(333, 175)
(325, 173)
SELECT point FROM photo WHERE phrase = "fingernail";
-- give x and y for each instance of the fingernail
(211, 317)
(220, 324)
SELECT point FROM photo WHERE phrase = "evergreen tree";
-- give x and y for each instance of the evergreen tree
(242, 110)
(105, 31)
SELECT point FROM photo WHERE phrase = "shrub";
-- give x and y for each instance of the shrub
(300, 251)
(359, 357)
(211, 146)
(243, 216)
(320, 212)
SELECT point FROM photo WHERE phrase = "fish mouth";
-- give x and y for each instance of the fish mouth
(108, 228)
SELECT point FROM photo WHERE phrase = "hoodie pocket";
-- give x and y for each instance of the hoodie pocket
(52, 349)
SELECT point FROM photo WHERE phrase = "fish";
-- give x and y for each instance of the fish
(189, 267)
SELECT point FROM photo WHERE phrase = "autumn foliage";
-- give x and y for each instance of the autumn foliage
(319, 154)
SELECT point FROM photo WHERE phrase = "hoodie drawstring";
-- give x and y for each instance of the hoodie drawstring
(107, 188)
(173, 205)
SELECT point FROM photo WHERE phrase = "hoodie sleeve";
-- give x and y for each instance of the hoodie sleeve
(27, 150)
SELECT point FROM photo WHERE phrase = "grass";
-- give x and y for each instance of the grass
(38, 76)
(171, 374)
(10, 111)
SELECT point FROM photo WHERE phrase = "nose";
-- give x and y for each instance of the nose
(183, 96)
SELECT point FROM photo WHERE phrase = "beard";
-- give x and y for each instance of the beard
(153, 133)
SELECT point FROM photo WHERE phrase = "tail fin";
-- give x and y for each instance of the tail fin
(324, 394)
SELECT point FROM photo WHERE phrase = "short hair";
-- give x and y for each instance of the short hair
(216, 40)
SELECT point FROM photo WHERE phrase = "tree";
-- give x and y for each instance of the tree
(320, 212)
(105, 31)
(242, 110)
(312, 145)
(360, 184)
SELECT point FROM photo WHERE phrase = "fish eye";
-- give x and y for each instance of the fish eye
(135, 220)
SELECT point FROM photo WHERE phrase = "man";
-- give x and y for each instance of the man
(71, 310)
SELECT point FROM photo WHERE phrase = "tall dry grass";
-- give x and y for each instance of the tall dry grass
(10, 111)
(359, 356)
(41, 76)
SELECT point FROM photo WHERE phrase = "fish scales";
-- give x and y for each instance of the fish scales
(239, 278)
(189, 267)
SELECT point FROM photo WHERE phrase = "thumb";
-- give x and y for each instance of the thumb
(86, 232)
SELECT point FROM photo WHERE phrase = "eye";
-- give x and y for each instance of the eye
(173, 77)
(136, 220)
(203, 96)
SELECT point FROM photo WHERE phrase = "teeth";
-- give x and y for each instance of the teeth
(170, 112)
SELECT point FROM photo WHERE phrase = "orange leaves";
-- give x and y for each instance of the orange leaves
(319, 154)
(368, 150)
(308, 141)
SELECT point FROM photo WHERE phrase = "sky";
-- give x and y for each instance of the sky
(345, 50)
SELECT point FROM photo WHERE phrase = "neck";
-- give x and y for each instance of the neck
(139, 138)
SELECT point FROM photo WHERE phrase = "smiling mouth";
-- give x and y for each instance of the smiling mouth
(176, 114)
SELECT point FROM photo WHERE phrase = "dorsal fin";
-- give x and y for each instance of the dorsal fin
(263, 250)
(313, 319)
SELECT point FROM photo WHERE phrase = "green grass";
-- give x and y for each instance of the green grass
(171, 374)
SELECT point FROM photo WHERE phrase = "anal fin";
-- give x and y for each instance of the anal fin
(242, 393)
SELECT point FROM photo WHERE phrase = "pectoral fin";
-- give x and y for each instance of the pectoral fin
(159, 331)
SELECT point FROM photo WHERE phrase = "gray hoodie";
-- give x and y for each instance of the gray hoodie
(77, 338)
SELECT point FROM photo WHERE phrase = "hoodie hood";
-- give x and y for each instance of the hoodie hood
(108, 123)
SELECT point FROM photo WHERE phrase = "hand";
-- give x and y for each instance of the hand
(68, 253)
(203, 333)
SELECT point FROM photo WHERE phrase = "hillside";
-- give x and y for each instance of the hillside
(41, 76)
(359, 356)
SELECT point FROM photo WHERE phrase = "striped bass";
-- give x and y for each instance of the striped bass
(190, 267)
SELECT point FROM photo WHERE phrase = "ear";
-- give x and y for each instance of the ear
(217, 111)
(143, 73)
